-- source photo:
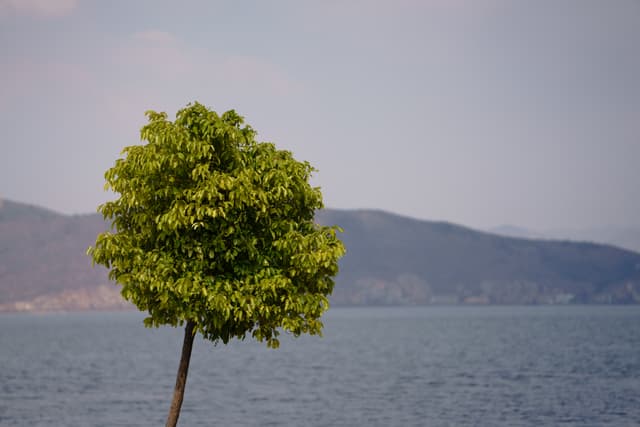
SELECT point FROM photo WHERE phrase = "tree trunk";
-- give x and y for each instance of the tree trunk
(181, 379)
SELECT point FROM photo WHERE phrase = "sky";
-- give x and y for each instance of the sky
(477, 112)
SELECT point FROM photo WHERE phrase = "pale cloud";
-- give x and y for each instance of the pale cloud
(152, 54)
(253, 74)
(146, 61)
(157, 70)
(155, 36)
(30, 79)
(38, 8)
(360, 10)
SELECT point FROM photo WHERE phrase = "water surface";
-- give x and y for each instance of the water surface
(421, 366)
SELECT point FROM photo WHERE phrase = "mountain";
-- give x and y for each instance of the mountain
(43, 265)
(518, 232)
(390, 259)
(394, 259)
(623, 237)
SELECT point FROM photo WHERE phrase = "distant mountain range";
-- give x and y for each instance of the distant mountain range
(623, 237)
(391, 260)
(43, 265)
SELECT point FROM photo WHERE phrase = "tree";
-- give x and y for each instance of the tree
(215, 232)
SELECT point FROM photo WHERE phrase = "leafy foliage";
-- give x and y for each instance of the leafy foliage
(216, 228)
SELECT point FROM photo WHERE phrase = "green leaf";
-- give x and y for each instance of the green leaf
(213, 227)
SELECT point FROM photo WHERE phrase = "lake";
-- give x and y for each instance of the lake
(417, 366)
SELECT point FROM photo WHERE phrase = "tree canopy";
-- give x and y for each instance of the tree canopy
(215, 228)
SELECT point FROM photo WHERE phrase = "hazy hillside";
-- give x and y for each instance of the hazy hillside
(626, 238)
(390, 260)
(402, 260)
(42, 259)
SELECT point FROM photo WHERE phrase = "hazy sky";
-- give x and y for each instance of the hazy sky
(475, 112)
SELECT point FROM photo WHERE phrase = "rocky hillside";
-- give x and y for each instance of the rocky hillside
(397, 260)
(390, 260)
(43, 265)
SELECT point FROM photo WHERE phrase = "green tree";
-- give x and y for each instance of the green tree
(215, 232)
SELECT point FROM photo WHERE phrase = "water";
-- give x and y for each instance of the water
(443, 366)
